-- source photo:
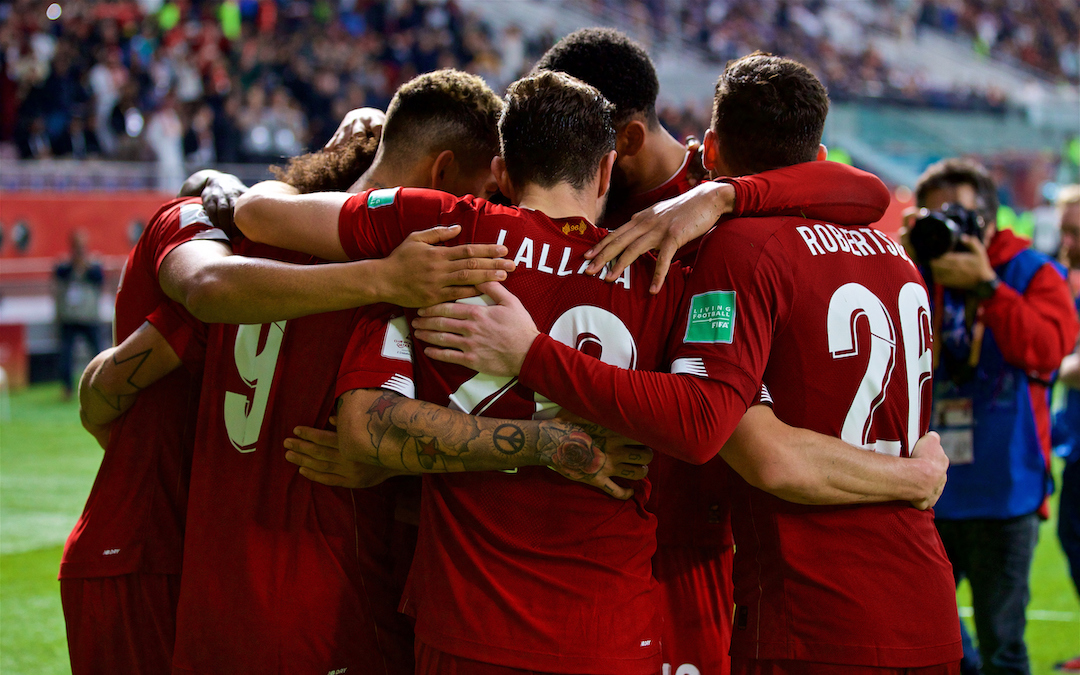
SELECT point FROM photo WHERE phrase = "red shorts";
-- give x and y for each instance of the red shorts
(431, 661)
(740, 666)
(696, 597)
(124, 624)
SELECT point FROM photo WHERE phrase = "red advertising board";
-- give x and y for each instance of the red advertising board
(110, 220)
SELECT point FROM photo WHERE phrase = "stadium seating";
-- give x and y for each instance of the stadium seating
(255, 81)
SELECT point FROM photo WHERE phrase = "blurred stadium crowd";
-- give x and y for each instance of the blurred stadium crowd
(1040, 35)
(253, 80)
(225, 82)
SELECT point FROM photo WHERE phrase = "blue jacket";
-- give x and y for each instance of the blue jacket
(1008, 476)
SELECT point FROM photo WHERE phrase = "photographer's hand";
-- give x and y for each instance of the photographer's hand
(964, 270)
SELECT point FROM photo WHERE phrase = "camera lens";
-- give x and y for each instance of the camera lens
(933, 235)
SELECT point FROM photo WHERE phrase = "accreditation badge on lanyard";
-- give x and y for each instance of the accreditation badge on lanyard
(954, 420)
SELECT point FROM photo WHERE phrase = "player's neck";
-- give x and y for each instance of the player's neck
(561, 201)
(383, 174)
(661, 157)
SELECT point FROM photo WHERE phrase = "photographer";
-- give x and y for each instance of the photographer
(1003, 320)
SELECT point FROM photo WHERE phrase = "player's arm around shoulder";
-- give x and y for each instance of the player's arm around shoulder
(274, 213)
(401, 435)
(114, 378)
(807, 467)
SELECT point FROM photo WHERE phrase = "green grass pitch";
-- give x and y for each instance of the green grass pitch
(47, 466)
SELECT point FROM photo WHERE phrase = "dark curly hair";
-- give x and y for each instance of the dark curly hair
(613, 63)
(768, 112)
(330, 170)
(555, 129)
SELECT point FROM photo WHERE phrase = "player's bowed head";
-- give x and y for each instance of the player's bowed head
(557, 146)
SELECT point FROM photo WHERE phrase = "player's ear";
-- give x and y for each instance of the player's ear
(822, 153)
(443, 170)
(604, 173)
(502, 178)
(630, 139)
(710, 151)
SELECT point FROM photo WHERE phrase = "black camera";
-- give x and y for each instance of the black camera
(935, 233)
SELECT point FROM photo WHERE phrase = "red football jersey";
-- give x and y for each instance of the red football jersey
(134, 518)
(694, 510)
(835, 321)
(379, 354)
(528, 569)
(281, 574)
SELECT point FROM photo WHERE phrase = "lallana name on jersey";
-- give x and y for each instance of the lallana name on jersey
(824, 238)
(526, 254)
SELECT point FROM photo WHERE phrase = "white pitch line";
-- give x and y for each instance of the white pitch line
(1035, 615)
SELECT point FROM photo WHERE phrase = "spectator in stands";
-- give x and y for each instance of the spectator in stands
(1006, 320)
(335, 58)
(165, 137)
(226, 125)
(512, 54)
(34, 143)
(64, 90)
(78, 140)
(287, 125)
(1066, 434)
(77, 288)
(199, 147)
(126, 124)
(107, 79)
(1035, 33)
(256, 142)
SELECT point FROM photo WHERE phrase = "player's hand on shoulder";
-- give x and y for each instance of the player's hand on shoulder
(590, 454)
(367, 121)
(420, 272)
(491, 337)
(316, 452)
(935, 465)
(664, 227)
(219, 198)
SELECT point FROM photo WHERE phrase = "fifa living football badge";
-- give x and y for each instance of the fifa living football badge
(385, 197)
(712, 318)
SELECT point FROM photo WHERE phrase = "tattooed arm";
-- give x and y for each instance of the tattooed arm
(399, 434)
(114, 378)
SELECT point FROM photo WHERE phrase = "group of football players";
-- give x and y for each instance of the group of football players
(574, 409)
